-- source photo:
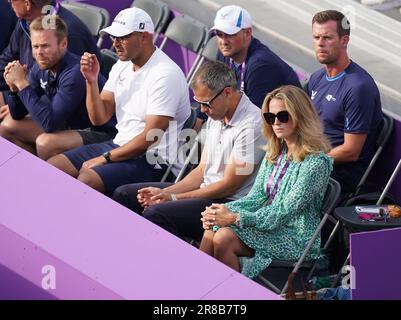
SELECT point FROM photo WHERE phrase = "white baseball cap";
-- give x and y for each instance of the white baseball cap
(231, 19)
(128, 21)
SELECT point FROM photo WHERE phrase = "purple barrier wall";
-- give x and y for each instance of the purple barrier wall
(376, 258)
(98, 249)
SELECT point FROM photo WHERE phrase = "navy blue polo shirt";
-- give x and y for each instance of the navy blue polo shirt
(19, 48)
(348, 103)
(8, 20)
(57, 102)
(264, 72)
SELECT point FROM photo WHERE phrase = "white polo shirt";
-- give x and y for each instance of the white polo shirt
(241, 139)
(157, 88)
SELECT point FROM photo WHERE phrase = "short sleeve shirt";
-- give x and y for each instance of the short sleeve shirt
(240, 139)
(157, 88)
(348, 103)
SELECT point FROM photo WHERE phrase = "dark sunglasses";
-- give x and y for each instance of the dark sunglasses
(282, 116)
(208, 104)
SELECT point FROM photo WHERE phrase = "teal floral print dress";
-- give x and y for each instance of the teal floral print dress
(282, 229)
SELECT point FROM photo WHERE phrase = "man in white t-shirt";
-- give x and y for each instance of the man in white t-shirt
(148, 93)
(228, 165)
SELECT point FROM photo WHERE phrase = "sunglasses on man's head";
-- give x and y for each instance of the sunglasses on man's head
(282, 116)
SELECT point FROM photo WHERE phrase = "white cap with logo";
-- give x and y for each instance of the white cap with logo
(231, 19)
(128, 21)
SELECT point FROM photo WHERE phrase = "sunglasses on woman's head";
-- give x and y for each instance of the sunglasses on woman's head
(282, 116)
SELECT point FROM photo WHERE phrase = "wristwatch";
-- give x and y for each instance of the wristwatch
(106, 155)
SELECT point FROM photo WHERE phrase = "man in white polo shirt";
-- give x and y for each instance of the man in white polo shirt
(228, 165)
(148, 93)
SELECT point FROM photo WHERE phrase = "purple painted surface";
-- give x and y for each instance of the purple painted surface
(15, 287)
(23, 255)
(88, 236)
(8, 151)
(376, 258)
(232, 289)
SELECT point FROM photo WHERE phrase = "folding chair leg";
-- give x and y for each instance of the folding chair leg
(269, 284)
(328, 242)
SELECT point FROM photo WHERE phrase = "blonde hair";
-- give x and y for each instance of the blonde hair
(306, 122)
(41, 23)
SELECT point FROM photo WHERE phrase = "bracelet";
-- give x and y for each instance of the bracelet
(173, 197)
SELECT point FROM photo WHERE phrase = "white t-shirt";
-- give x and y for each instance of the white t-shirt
(241, 139)
(157, 88)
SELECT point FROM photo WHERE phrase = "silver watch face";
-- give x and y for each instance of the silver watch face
(106, 155)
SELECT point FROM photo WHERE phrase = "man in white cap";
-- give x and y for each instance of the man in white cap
(147, 91)
(258, 69)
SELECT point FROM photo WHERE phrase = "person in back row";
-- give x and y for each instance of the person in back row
(228, 164)
(346, 99)
(149, 94)
(258, 70)
(47, 107)
(8, 19)
(19, 48)
(277, 218)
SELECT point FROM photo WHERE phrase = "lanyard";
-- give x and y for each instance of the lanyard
(272, 194)
(25, 24)
(57, 8)
(242, 75)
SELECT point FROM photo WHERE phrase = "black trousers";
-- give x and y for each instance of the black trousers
(181, 218)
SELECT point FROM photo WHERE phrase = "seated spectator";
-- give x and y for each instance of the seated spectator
(47, 108)
(346, 99)
(8, 20)
(19, 48)
(149, 95)
(280, 213)
(228, 162)
(258, 70)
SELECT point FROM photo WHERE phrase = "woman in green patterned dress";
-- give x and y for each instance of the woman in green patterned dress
(279, 215)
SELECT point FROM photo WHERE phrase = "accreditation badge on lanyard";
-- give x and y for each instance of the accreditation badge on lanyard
(271, 192)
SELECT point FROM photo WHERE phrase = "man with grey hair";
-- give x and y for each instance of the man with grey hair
(19, 48)
(228, 163)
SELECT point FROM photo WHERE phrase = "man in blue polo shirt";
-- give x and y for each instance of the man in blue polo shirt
(80, 39)
(258, 69)
(346, 98)
(48, 106)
